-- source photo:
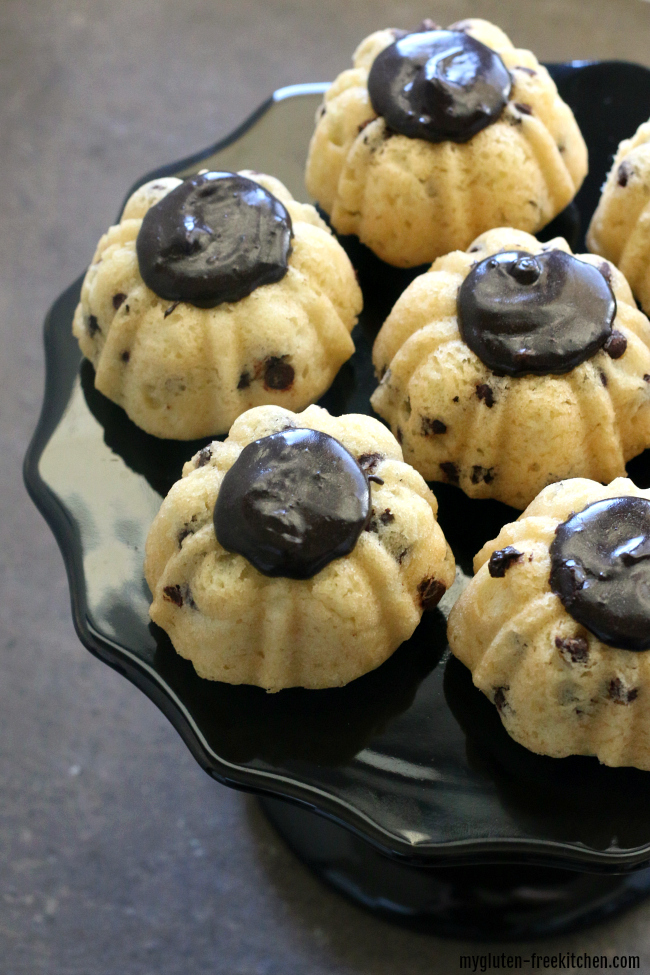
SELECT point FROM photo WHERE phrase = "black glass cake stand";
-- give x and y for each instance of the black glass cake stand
(401, 790)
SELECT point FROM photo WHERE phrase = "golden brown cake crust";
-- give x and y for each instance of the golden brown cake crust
(559, 690)
(499, 436)
(184, 372)
(620, 227)
(410, 200)
(239, 626)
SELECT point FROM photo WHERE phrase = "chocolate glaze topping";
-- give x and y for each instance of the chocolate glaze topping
(538, 314)
(600, 569)
(438, 85)
(292, 502)
(214, 238)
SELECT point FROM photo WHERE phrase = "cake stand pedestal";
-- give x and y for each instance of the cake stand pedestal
(486, 902)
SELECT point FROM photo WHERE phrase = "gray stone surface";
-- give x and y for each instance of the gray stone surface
(119, 855)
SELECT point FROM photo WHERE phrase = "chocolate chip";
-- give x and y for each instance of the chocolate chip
(623, 174)
(402, 555)
(450, 470)
(523, 108)
(481, 474)
(606, 272)
(375, 479)
(431, 592)
(373, 522)
(173, 594)
(619, 694)
(126, 309)
(646, 378)
(432, 426)
(575, 649)
(125, 356)
(486, 393)
(204, 457)
(244, 380)
(603, 378)
(174, 305)
(456, 399)
(369, 461)
(278, 374)
(372, 525)
(500, 697)
(474, 250)
(615, 345)
(118, 299)
(93, 326)
(521, 67)
(501, 560)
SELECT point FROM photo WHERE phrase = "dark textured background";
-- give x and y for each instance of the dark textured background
(117, 854)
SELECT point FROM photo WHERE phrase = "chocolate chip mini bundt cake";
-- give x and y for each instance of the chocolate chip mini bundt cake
(211, 296)
(513, 365)
(620, 227)
(435, 136)
(555, 625)
(301, 551)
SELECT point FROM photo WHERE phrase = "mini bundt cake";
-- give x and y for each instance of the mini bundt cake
(435, 136)
(513, 365)
(211, 296)
(301, 551)
(555, 625)
(620, 227)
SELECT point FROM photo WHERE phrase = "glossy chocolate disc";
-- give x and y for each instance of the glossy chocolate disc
(545, 313)
(438, 85)
(214, 238)
(600, 569)
(292, 502)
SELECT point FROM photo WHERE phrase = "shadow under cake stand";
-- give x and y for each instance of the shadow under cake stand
(401, 790)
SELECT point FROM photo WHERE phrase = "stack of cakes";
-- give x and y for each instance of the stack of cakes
(303, 549)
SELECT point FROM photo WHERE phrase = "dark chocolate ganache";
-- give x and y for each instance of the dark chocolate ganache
(292, 502)
(438, 85)
(600, 569)
(214, 238)
(544, 313)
